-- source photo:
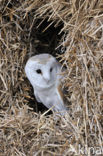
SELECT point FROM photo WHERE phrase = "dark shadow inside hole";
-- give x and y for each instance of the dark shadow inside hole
(46, 42)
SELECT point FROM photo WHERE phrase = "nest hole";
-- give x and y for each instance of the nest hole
(43, 40)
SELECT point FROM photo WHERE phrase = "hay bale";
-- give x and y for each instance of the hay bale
(73, 30)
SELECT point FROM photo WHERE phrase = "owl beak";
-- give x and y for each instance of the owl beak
(46, 77)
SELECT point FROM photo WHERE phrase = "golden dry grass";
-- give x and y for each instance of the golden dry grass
(24, 131)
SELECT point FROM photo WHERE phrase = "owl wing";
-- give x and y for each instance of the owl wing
(60, 90)
(58, 100)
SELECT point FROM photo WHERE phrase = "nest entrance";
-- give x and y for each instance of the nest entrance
(43, 39)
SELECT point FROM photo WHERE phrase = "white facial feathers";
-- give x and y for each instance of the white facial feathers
(42, 71)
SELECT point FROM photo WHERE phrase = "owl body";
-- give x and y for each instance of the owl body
(43, 72)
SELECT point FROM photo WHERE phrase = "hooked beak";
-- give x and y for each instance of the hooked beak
(46, 77)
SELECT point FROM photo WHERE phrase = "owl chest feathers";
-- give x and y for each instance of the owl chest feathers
(51, 96)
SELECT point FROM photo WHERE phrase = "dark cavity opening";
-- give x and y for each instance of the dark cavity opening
(43, 42)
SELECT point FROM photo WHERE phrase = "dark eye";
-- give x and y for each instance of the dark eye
(51, 69)
(39, 71)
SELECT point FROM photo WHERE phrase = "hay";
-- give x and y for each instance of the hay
(80, 23)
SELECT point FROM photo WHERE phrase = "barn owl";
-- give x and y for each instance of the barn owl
(43, 72)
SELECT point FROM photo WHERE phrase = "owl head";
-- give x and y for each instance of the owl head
(42, 70)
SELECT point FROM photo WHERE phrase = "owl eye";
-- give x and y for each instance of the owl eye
(51, 69)
(39, 71)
